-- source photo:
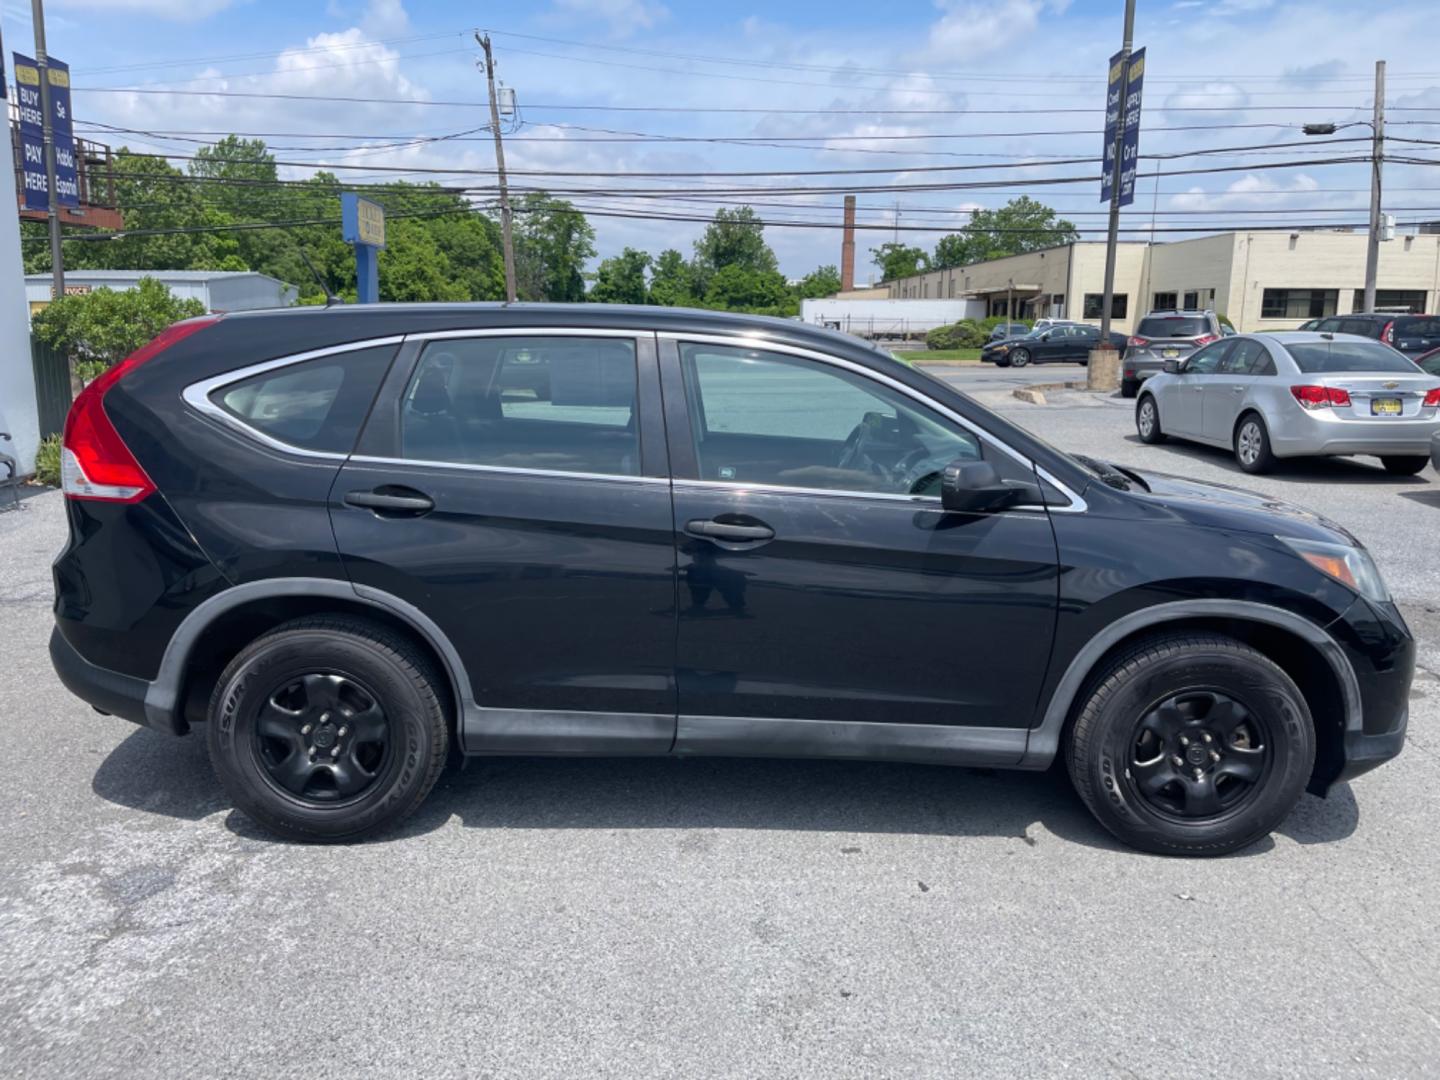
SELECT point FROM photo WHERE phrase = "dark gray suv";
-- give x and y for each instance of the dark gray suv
(1161, 336)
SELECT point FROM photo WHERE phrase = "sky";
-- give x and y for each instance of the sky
(924, 94)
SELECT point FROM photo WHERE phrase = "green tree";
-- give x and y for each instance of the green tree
(735, 238)
(552, 243)
(822, 281)
(621, 278)
(897, 260)
(740, 288)
(672, 283)
(100, 328)
(1020, 225)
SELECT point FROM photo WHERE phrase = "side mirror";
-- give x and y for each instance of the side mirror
(1045, 336)
(973, 487)
(1172, 367)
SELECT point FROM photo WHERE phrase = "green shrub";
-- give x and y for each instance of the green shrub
(966, 334)
(47, 462)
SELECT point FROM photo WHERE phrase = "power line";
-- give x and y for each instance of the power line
(858, 111)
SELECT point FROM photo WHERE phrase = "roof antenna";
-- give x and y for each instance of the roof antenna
(330, 297)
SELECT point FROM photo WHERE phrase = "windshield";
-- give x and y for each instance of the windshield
(1172, 326)
(1326, 357)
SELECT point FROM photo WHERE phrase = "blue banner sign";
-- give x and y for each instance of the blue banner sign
(1122, 113)
(33, 187)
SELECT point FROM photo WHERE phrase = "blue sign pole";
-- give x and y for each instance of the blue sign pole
(362, 225)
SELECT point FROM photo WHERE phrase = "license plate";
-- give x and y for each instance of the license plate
(1385, 406)
(1170, 354)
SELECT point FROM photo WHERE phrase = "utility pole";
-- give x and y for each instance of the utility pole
(1377, 159)
(1114, 234)
(52, 215)
(507, 232)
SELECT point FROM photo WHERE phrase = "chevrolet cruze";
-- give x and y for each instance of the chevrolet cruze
(341, 542)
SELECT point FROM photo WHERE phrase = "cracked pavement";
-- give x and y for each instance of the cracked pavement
(547, 917)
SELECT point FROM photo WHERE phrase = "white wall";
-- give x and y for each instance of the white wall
(18, 413)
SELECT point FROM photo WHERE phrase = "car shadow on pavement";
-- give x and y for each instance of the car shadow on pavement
(159, 775)
(1327, 470)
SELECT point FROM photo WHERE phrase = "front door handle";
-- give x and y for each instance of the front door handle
(724, 530)
(394, 499)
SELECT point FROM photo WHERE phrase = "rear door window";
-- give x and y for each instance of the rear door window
(1172, 326)
(1325, 357)
(556, 404)
(314, 405)
(1247, 357)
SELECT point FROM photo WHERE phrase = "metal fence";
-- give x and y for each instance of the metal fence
(52, 386)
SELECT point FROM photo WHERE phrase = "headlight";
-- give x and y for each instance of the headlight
(1000, 348)
(1351, 566)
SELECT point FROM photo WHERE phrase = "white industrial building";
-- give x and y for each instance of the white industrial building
(218, 290)
(1259, 280)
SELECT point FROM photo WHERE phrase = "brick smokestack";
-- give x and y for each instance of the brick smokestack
(847, 247)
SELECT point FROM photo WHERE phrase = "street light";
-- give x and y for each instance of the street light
(1377, 158)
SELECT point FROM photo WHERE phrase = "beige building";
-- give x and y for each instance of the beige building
(1259, 280)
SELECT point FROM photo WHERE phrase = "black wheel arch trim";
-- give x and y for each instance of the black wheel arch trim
(162, 697)
(1044, 738)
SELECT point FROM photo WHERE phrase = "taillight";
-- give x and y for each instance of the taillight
(1320, 397)
(1139, 342)
(1388, 334)
(95, 463)
(1205, 339)
(1432, 398)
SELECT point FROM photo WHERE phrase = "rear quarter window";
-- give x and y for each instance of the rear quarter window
(1325, 357)
(314, 405)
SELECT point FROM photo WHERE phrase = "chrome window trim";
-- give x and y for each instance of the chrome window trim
(527, 331)
(197, 394)
(515, 470)
(920, 502)
(757, 341)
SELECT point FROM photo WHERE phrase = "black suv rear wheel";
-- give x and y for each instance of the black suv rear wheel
(328, 728)
(1192, 744)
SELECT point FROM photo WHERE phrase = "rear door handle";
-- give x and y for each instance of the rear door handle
(402, 500)
(722, 530)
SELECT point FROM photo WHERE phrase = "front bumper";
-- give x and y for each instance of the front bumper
(1381, 652)
(107, 691)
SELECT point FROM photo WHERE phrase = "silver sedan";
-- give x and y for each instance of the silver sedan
(1268, 396)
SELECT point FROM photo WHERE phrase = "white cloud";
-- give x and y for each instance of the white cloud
(176, 10)
(385, 18)
(1249, 192)
(621, 16)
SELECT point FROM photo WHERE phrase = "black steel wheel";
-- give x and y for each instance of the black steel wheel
(1191, 744)
(1198, 755)
(328, 728)
(323, 737)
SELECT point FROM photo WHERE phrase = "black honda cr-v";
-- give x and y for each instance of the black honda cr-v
(343, 540)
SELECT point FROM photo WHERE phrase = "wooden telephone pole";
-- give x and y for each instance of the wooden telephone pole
(507, 232)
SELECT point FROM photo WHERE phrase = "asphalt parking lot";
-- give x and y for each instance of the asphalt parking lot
(715, 918)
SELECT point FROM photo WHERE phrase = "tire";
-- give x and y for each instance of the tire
(1147, 421)
(1129, 388)
(1112, 750)
(1002, 361)
(1020, 357)
(1404, 464)
(304, 672)
(1252, 445)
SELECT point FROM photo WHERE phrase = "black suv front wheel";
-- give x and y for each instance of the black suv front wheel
(328, 728)
(1192, 744)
